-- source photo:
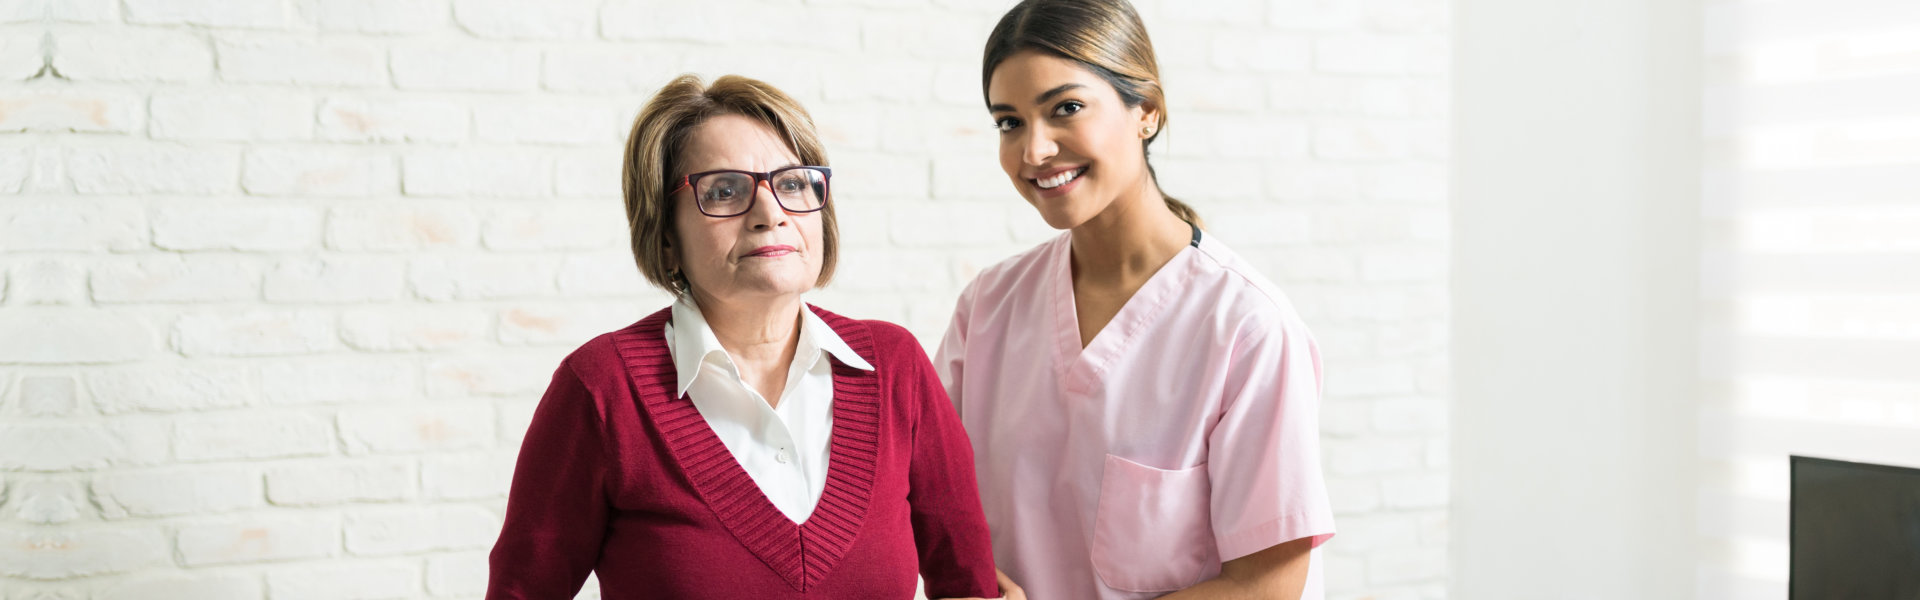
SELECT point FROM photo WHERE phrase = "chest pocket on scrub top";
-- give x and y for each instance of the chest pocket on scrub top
(1152, 529)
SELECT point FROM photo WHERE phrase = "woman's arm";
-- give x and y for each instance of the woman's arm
(557, 509)
(1277, 573)
(949, 361)
(1008, 589)
(956, 554)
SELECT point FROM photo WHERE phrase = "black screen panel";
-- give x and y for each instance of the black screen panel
(1855, 531)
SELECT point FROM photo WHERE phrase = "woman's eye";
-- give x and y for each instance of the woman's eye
(790, 185)
(1006, 124)
(1068, 108)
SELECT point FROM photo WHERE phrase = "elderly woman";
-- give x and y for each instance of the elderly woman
(741, 443)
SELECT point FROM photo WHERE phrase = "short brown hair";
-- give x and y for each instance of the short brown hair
(660, 136)
(1104, 36)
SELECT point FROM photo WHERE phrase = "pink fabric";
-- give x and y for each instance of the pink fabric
(1184, 435)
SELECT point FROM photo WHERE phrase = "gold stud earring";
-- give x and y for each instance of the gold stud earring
(1146, 131)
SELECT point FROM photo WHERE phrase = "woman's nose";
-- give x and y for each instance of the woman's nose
(766, 212)
(1040, 146)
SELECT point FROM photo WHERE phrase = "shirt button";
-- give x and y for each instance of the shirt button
(782, 457)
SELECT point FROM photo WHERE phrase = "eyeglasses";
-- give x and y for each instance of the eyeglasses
(730, 193)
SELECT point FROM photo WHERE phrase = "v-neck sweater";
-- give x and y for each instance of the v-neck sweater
(621, 477)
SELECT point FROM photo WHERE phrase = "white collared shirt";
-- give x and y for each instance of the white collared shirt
(785, 448)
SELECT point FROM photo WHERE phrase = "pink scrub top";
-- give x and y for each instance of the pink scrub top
(1186, 434)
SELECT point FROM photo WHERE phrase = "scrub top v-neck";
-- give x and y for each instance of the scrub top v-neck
(1185, 433)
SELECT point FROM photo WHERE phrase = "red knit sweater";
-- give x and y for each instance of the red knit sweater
(619, 477)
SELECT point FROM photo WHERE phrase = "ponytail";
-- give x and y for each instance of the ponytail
(1186, 213)
(1180, 209)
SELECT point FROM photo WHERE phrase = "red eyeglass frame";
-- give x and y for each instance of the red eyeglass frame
(826, 185)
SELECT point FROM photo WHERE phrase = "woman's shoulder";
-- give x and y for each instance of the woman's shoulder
(1003, 279)
(1232, 285)
(610, 354)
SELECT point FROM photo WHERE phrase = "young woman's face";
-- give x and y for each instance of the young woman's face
(767, 252)
(1067, 141)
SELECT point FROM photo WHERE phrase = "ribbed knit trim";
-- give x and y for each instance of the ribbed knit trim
(801, 554)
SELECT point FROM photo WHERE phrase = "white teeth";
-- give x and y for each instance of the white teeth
(1059, 180)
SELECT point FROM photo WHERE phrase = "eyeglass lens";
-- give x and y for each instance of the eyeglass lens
(729, 193)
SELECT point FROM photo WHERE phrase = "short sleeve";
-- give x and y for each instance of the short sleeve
(1264, 453)
(950, 359)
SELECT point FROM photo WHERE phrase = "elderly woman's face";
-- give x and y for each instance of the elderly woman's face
(763, 254)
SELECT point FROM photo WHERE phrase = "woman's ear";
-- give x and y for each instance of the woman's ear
(1149, 119)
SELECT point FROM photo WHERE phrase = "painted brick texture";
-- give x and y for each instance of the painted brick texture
(281, 280)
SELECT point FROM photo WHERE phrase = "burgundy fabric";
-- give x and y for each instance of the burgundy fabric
(619, 477)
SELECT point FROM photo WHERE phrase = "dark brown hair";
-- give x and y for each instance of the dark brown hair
(661, 134)
(1104, 36)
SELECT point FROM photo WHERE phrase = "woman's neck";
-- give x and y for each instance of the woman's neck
(1130, 240)
(760, 336)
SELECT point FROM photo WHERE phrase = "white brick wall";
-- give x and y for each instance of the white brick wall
(281, 281)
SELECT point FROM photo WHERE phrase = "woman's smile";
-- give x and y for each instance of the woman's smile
(1058, 182)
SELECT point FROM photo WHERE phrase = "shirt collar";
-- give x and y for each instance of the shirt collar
(694, 343)
(825, 338)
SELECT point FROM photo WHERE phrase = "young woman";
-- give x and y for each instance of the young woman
(1142, 402)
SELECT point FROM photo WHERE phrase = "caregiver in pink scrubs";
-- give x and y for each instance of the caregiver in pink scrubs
(1143, 404)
